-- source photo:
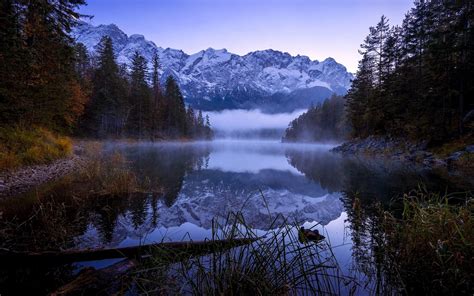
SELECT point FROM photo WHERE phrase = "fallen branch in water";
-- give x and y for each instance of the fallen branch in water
(90, 280)
(114, 278)
(174, 248)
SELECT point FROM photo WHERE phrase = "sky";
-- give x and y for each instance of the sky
(315, 28)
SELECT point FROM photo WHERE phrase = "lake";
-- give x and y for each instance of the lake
(195, 183)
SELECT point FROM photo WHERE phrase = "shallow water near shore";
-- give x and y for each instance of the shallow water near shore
(267, 181)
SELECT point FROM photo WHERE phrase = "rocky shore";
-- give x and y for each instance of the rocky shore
(20, 181)
(402, 150)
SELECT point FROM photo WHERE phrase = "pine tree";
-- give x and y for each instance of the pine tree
(140, 120)
(157, 117)
(427, 76)
(200, 125)
(358, 98)
(208, 129)
(14, 64)
(82, 61)
(190, 123)
(176, 110)
(107, 112)
(374, 46)
(38, 84)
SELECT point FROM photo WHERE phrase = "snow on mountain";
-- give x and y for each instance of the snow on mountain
(217, 79)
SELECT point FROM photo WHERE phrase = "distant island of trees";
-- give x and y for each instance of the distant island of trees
(323, 122)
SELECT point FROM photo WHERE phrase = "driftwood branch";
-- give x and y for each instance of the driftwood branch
(91, 280)
(170, 248)
(114, 279)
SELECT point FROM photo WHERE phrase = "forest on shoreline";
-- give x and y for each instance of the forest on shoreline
(123, 103)
(51, 88)
(323, 122)
(414, 81)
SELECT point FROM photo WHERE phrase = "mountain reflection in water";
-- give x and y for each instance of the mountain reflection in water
(196, 182)
(203, 181)
(264, 180)
(193, 183)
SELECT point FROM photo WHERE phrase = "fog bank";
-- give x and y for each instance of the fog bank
(250, 123)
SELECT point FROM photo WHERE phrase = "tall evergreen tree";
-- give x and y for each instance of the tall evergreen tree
(426, 88)
(82, 61)
(208, 130)
(200, 125)
(139, 98)
(358, 98)
(374, 47)
(158, 104)
(176, 111)
(108, 110)
(38, 84)
(190, 123)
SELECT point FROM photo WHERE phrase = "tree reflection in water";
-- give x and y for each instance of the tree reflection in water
(53, 216)
(368, 189)
(182, 188)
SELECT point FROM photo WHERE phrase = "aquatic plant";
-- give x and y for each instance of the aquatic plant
(276, 263)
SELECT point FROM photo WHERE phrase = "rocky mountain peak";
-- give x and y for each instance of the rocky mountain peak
(215, 79)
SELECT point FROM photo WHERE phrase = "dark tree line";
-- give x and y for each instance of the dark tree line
(417, 80)
(130, 102)
(323, 122)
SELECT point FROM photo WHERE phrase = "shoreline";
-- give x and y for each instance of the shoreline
(404, 151)
(22, 180)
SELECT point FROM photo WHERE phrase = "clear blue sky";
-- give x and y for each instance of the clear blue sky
(316, 28)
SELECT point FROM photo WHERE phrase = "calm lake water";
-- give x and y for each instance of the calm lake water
(265, 180)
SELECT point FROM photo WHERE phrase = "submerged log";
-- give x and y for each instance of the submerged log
(114, 279)
(166, 248)
(109, 280)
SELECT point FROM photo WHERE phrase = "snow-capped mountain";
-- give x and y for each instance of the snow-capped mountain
(217, 79)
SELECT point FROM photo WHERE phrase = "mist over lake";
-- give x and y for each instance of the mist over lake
(237, 147)
(253, 124)
(193, 185)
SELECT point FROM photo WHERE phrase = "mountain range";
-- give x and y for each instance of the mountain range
(215, 79)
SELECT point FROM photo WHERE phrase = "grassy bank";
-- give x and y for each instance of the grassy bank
(20, 146)
(102, 173)
(432, 243)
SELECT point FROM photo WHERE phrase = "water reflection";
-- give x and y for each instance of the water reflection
(368, 187)
(196, 182)
(190, 184)
(200, 182)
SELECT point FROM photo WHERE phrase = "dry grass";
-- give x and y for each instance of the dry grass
(102, 173)
(433, 243)
(277, 263)
(21, 146)
(109, 175)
